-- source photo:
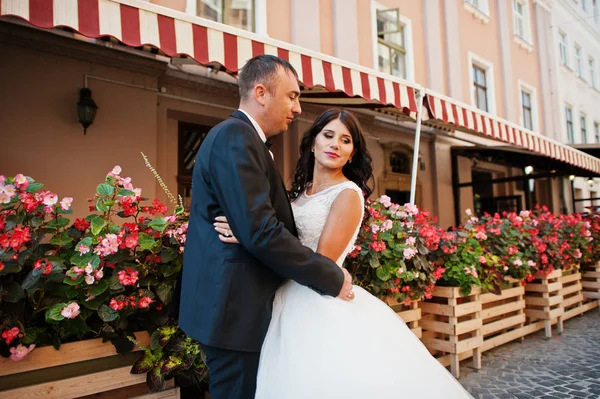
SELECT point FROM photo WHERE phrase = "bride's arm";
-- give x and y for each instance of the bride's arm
(344, 216)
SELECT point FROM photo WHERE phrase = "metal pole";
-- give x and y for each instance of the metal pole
(415, 164)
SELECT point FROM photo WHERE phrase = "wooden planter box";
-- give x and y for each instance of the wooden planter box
(503, 316)
(590, 282)
(410, 314)
(543, 299)
(77, 370)
(572, 293)
(452, 326)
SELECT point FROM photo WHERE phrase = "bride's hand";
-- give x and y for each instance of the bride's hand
(225, 234)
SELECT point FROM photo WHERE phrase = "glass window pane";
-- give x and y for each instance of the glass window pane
(398, 64)
(240, 13)
(383, 57)
(210, 9)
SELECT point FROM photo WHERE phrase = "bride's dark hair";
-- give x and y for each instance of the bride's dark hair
(360, 170)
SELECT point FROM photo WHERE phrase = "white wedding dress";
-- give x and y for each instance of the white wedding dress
(323, 347)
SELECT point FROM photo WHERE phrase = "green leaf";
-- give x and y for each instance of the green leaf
(383, 273)
(145, 241)
(168, 254)
(107, 314)
(99, 288)
(76, 326)
(374, 262)
(101, 206)
(69, 281)
(94, 304)
(33, 187)
(12, 292)
(114, 284)
(125, 193)
(98, 224)
(53, 314)
(61, 239)
(59, 222)
(104, 189)
(10, 267)
(143, 364)
(159, 224)
(81, 260)
(165, 293)
(31, 280)
(169, 269)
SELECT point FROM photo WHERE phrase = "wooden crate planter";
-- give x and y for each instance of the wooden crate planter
(503, 316)
(590, 282)
(50, 374)
(573, 299)
(410, 314)
(452, 325)
(543, 300)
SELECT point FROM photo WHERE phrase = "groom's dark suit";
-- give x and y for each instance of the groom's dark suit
(227, 290)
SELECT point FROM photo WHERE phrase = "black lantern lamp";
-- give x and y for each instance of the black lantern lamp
(86, 108)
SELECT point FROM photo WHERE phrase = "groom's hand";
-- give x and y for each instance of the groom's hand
(346, 292)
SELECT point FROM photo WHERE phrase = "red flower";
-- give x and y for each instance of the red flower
(10, 335)
(81, 224)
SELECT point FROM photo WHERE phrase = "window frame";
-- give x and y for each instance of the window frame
(409, 57)
(569, 124)
(488, 67)
(583, 127)
(597, 132)
(592, 71)
(563, 48)
(532, 92)
(526, 21)
(578, 65)
(259, 21)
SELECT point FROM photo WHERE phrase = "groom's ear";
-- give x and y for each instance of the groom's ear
(260, 92)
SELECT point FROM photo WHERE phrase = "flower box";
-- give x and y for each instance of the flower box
(451, 325)
(572, 294)
(590, 282)
(543, 299)
(78, 369)
(503, 316)
(411, 314)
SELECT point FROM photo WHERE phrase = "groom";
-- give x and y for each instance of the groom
(227, 290)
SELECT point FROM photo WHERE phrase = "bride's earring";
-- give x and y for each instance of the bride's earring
(350, 160)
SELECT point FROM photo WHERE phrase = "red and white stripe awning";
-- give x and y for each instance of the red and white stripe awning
(446, 111)
(137, 23)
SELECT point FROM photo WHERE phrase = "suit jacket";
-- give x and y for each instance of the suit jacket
(227, 290)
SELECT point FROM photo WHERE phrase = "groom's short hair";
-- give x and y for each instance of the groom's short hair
(261, 69)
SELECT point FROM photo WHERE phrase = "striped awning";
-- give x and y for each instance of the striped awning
(138, 23)
(446, 112)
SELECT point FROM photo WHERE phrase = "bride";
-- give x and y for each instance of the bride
(322, 347)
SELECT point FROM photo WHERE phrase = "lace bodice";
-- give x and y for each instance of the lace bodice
(311, 211)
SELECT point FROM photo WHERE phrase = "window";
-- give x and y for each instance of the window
(583, 128)
(563, 48)
(391, 43)
(584, 5)
(480, 88)
(527, 110)
(190, 137)
(578, 66)
(592, 64)
(481, 5)
(238, 13)
(400, 162)
(519, 18)
(597, 131)
(596, 12)
(569, 119)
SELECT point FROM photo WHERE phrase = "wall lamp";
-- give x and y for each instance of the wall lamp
(86, 108)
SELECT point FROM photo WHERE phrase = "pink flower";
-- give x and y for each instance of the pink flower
(99, 274)
(115, 171)
(394, 208)
(518, 262)
(531, 263)
(9, 190)
(145, 302)
(385, 201)
(468, 212)
(505, 268)
(481, 235)
(409, 253)
(129, 277)
(411, 241)
(374, 228)
(50, 199)
(20, 351)
(4, 198)
(387, 225)
(89, 268)
(412, 209)
(70, 311)
(482, 259)
(22, 181)
(524, 214)
(89, 279)
(83, 249)
(65, 203)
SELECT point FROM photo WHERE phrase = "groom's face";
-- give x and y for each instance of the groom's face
(282, 102)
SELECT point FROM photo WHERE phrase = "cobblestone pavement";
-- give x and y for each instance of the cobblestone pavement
(563, 367)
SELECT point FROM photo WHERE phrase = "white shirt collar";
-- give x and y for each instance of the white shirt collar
(261, 134)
